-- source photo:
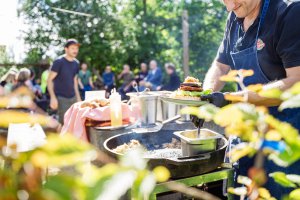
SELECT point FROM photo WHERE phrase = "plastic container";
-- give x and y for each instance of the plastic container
(115, 109)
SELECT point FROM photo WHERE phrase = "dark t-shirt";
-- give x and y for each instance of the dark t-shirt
(64, 81)
(173, 83)
(279, 39)
(141, 75)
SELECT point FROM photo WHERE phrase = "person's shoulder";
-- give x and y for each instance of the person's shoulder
(58, 60)
(293, 8)
(76, 61)
(288, 10)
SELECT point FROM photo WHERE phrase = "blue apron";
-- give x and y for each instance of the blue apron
(248, 59)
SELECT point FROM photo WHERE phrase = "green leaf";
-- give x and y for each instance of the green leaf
(240, 151)
(60, 186)
(294, 90)
(207, 111)
(63, 151)
(293, 102)
(271, 93)
(287, 131)
(295, 195)
(294, 178)
(280, 178)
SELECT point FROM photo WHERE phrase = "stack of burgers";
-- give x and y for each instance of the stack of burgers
(190, 89)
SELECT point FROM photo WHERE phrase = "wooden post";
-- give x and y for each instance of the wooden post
(145, 7)
(185, 42)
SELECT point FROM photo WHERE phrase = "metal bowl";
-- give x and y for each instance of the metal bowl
(192, 144)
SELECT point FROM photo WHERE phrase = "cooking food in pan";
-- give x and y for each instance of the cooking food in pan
(133, 144)
(178, 165)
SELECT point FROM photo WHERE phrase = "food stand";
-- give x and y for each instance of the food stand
(205, 169)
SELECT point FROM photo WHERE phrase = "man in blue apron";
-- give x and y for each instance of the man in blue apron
(262, 35)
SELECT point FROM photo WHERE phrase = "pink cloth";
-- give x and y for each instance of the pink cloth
(75, 117)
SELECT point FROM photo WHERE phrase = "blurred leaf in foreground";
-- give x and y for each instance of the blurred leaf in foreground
(207, 111)
(63, 151)
(270, 93)
(280, 178)
(12, 116)
(293, 102)
(295, 194)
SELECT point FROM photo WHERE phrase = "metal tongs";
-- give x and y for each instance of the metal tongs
(199, 124)
(136, 87)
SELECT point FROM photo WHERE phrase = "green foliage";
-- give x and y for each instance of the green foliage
(61, 168)
(79, 179)
(119, 32)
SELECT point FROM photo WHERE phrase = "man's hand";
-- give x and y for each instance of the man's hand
(78, 98)
(216, 98)
(53, 103)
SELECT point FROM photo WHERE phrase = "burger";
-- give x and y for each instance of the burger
(190, 89)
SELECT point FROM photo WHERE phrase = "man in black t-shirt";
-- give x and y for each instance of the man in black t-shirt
(62, 80)
(264, 36)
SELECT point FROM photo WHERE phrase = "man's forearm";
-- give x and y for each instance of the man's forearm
(77, 92)
(91, 83)
(51, 89)
(256, 99)
(212, 78)
(80, 83)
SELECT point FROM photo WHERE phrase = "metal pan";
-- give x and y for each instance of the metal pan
(178, 165)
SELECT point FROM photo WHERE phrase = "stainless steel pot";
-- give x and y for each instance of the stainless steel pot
(167, 110)
(192, 144)
(146, 106)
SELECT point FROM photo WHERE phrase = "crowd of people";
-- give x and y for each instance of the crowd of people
(67, 80)
(151, 78)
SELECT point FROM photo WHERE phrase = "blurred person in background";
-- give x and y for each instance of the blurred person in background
(97, 79)
(9, 80)
(108, 80)
(85, 80)
(34, 84)
(63, 80)
(22, 79)
(44, 79)
(154, 77)
(173, 82)
(142, 73)
(127, 77)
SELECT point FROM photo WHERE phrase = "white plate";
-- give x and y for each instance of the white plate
(185, 102)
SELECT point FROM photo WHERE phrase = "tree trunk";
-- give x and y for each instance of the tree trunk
(185, 42)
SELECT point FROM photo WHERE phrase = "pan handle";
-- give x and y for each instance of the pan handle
(194, 158)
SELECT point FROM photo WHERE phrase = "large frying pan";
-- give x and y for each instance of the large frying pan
(178, 166)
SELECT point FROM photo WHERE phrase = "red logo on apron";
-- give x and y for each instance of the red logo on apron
(260, 44)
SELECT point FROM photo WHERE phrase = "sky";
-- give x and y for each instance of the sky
(11, 27)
